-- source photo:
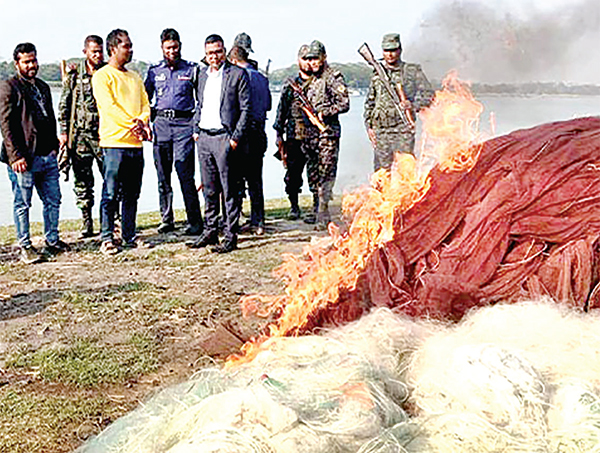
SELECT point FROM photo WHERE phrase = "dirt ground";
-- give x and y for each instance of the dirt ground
(85, 338)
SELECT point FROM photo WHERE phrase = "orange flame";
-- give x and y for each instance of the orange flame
(334, 263)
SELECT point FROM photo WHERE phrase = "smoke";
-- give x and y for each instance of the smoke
(491, 45)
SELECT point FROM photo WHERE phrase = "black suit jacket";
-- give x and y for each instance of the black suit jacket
(235, 100)
(16, 120)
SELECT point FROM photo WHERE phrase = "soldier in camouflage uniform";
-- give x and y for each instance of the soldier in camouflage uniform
(291, 122)
(328, 94)
(77, 94)
(386, 130)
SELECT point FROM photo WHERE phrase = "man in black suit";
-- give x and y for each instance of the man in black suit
(220, 121)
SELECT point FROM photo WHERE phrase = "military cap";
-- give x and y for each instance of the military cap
(391, 41)
(303, 50)
(244, 41)
(316, 49)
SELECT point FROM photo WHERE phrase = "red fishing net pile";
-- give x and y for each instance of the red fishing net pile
(524, 222)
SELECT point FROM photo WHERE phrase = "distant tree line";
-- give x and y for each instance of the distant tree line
(50, 72)
(357, 76)
(535, 88)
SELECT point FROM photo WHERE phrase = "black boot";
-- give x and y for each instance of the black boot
(87, 226)
(311, 217)
(323, 216)
(294, 207)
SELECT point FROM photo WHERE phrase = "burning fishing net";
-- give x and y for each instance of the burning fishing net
(472, 225)
(512, 378)
(510, 218)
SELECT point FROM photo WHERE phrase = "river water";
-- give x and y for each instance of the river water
(355, 164)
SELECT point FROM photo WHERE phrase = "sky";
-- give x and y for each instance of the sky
(486, 40)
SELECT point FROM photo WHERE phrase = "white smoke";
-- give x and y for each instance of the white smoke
(494, 45)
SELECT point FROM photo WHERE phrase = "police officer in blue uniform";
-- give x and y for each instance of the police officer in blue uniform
(171, 86)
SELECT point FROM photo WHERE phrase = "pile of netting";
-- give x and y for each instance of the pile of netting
(511, 378)
(524, 222)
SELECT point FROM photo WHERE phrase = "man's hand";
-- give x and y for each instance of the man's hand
(62, 140)
(372, 137)
(141, 130)
(19, 166)
(137, 128)
(281, 148)
(233, 144)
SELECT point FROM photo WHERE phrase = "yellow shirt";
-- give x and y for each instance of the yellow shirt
(121, 97)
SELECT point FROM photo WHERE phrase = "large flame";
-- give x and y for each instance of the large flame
(333, 264)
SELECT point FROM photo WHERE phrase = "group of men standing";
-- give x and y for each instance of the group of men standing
(105, 113)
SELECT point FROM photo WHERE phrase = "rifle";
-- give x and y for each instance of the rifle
(395, 91)
(306, 106)
(267, 68)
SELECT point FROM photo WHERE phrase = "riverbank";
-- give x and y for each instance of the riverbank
(85, 338)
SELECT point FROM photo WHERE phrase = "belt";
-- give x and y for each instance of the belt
(214, 131)
(172, 113)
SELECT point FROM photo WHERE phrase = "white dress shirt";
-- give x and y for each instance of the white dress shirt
(210, 115)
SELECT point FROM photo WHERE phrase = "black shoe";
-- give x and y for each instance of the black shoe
(310, 218)
(193, 230)
(246, 227)
(30, 255)
(225, 247)
(87, 234)
(166, 228)
(55, 249)
(321, 226)
(294, 214)
(87, 226)
(203, 241)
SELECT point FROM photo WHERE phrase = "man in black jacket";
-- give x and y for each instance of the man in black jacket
(29, 149)
(220, 122)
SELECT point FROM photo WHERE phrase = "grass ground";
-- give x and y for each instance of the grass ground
(85, 338)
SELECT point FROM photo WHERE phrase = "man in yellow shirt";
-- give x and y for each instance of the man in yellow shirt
(124, 112)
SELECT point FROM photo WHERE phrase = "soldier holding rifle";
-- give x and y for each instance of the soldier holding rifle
(79, 122)
(398, 90)
(327, 97)
(291, 124)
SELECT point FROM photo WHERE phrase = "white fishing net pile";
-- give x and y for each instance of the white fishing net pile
(509, 378)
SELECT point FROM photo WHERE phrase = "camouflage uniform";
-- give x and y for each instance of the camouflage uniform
(382, 116)
(85, 149)
(328, 94)
(291, 122)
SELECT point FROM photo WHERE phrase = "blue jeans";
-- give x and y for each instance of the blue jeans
(123, 169)
(43, 174)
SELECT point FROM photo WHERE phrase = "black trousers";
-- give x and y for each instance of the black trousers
(174, 145)
(220, 172)
(254, 148)
(295, 163)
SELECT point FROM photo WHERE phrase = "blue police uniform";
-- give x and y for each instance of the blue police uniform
(255, 144)
(173, 90)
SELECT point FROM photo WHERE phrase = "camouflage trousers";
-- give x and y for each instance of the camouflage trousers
(389, 142)
(321, 166)
(82, 160)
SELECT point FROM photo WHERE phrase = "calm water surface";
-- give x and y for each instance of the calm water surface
(355, 164)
